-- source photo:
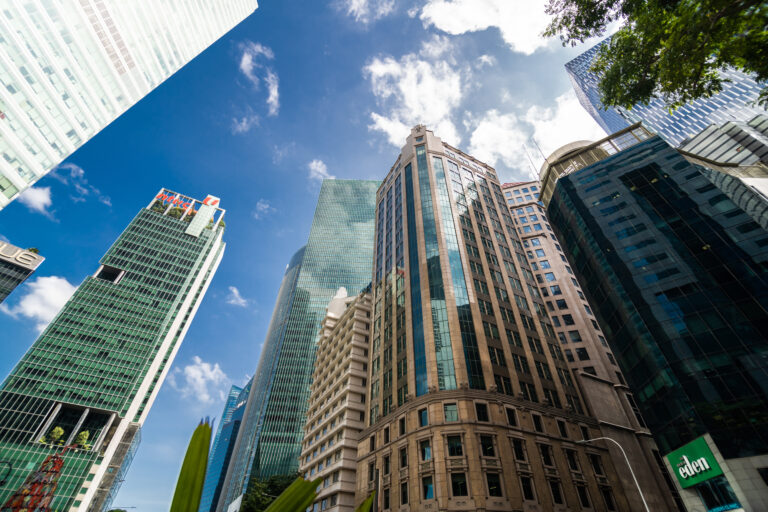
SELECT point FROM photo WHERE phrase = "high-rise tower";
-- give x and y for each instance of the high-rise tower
(89, 380)
(338, 253)
(16, 265)
(471, 404)
(676, 272)
(734, 103)
(70, 68)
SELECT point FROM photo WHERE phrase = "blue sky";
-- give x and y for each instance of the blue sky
(296, 93)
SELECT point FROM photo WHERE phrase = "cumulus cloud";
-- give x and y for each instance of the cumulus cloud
(366, 11)
(262, 209)
(520, 22)
(244, 123)
(318, 171)
(37, 199)
(234, 298)
(485, 60)
(254, 66)
(518, 141)
(200, 381)
(422, 88)
(73, 176)
(42, 300)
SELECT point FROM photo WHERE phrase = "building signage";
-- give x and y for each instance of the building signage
(20, 257)
(694, 463)
(176, 200)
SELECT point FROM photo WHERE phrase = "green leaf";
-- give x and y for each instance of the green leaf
(189, 487)
(367, 505)
(297, 497)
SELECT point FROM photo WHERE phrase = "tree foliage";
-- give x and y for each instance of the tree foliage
(670, 49)
(261, 493)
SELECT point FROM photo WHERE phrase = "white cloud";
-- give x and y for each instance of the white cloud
(253, 66)
(37, 199)
(73, 176)
(509, 138)
(262, 209)
(520, 22)
(366, 11)
(42, 300)
(244, 124)
(234, 298)
(566, 122)
(200, 381)
(273, 99)
(416, 89)
(318, 171)
(486, 60)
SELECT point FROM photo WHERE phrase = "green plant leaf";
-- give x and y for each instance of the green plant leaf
(189, 487)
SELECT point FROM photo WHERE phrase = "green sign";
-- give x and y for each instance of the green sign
(694, 463)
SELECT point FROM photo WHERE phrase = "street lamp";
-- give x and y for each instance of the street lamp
(628, 464)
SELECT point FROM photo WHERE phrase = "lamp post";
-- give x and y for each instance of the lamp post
(628, 465)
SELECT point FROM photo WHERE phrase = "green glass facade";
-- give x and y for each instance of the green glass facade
(97, 367)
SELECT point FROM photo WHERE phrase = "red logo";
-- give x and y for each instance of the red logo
(173, 200)
(211, 201)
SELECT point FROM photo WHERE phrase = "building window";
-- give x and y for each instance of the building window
(459, 484)
(403, 493)
(538, 426)
(486, 446)
(518, 448)
(597, 463)
(427, 488)
(494, 485)
(482, 411)
(401, 426)
(546, 455)
(371, 471)
(511, 417)
(557, 492)
(526, 484)
(455, 448)
(372, 442)
(573, 460)
(581, 490)
(582, 354)
(423, 418)
(425, 448)
(561, 426)
(451, 412)
(403, 457)
(610, 503)
(386, 435)
(386, 465)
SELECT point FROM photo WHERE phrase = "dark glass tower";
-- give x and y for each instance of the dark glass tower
(15, 266)
(339, 253)
(677, 273)
(89, 380)
(734, 103)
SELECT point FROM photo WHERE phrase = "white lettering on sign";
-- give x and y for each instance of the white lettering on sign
(18, 256)
(687, 469)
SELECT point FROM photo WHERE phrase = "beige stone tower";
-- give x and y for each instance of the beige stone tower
(471, 404)
(337, 401)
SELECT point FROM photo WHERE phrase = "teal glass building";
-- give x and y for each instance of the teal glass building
(676, 269)
(90, 379)
(339, 252)
(734, 103)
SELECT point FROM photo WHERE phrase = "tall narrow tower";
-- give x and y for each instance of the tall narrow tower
(91, 377)
(69, 68)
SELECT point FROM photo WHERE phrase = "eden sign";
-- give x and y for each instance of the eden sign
(18, 256)
(694, 463)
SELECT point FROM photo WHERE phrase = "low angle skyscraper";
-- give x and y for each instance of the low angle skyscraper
(69, 68)
(336, 415)
(16, 265)
(86, 385)
(338, 254)
(734, 103)
(471, 404)
(676, 274)
(737, 142)
(586, 350)
(221, 448)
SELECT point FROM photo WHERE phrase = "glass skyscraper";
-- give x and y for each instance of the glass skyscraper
(677, 274)
(86, 385)
(339, 253)
(69, 68)
(223, 443)
(16, 265)
(733, 103)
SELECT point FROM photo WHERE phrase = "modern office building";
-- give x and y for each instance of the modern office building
(86, 385)
(734, 103)
(338, 253)
(221, 448)
(676, 274)
(336, 415)
(68, 69)
(16, 265)
(605, 392)
(737, 142)
(471, 404)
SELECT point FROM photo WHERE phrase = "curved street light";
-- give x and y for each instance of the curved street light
(628, 464)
